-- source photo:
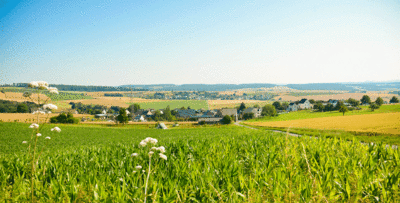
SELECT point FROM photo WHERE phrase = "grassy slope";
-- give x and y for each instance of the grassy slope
(194, 104)
(228, 164)
(305, 114)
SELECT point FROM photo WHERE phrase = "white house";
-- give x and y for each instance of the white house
(292, 107)
(139, 118)
(304, 104)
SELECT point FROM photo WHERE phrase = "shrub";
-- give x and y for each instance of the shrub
(64, 118)
(226, 120)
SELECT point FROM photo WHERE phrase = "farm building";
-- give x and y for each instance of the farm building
(210, 120)
(304, 104)
(161, 126)
(292, 107)
(255, 111)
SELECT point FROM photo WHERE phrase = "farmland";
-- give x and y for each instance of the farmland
(226, 164)
(335, 95)
(216, 104)
(306, 114)
(162, 104)
(29, 118)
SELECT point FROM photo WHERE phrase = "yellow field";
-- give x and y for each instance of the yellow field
(217, 104)
(379, 123)
(111, 101)
(16, 96)
(30, 118)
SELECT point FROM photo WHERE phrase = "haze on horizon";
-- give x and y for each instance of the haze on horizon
(233, 42)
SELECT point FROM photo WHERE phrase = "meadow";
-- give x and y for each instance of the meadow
(307, 114)
(162, 104)
(205, 164)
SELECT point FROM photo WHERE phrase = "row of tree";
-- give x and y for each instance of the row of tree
(17, 107)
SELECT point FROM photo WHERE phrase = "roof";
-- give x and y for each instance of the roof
(302, 101)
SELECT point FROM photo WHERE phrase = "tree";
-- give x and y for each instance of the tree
(312, 101)
(277, 105)
(365, 99)
(134, 108)
(394, 100)
(343, 109)
(157, 115)
(379, 101)
(64, 118)
(353, 102)
(285, 105)
(257, 106)
(182, 108)
(329, 107)
(318, 106)
(122, 117)
(167, 114)
(22, 108)
(339, 105)
(242, 107)
(247, 116)
(269, 110)
(226, 120)
(373, 106)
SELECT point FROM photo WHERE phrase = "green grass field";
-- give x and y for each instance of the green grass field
(210, 164)
(67, 96)
(305, 114)
(300, 94)
(194, 104)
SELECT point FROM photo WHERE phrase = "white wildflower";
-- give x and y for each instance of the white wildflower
(142, 143)
(127, 112)
(42, 83)
(53, 90)
(143, 171)
(148, 139)
(151, 153)
(134, 171)
(134, 154)
(154, 148)
(57, 129)
(161, 149)
(163, 156)
(122, 180)
(153, 141)
(48, 138)
(34, 125)
(38, 134)
(50, 106)
(39, 112)
(33, 84)
(24, 142)
(138, 167)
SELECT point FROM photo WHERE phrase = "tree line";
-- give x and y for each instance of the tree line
(17, 107)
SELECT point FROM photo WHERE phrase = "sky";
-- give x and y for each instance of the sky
(105, 42)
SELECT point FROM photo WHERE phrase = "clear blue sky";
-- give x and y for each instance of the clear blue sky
(104, 42)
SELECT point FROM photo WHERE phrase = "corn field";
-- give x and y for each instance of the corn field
(209, 164)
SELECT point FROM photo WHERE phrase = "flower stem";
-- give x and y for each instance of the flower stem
(148, 175)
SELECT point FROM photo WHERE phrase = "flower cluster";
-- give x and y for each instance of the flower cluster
(42, 85)
(57, 129)
(144, 142)
(34, 125)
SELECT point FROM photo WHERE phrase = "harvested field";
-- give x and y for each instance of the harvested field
(358, 96)
(30, 118)
(112, 101)
(17, 96)
(385, 123)
(217, 104)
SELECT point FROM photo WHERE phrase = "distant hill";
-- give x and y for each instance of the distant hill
(367, 86)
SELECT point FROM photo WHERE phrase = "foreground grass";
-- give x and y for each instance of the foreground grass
(306, 114)
(194, 104)
(227, 164)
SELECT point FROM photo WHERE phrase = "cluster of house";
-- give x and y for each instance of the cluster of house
(305, 104)
(207, 116)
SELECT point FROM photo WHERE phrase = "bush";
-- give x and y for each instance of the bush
(202, 123)
(64, 118)
(226, 120)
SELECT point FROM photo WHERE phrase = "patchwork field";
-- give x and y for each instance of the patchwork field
(17, 96)
(218, 104)
(385, 123)
(161, 104)
(31, 118)
(205, 164)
